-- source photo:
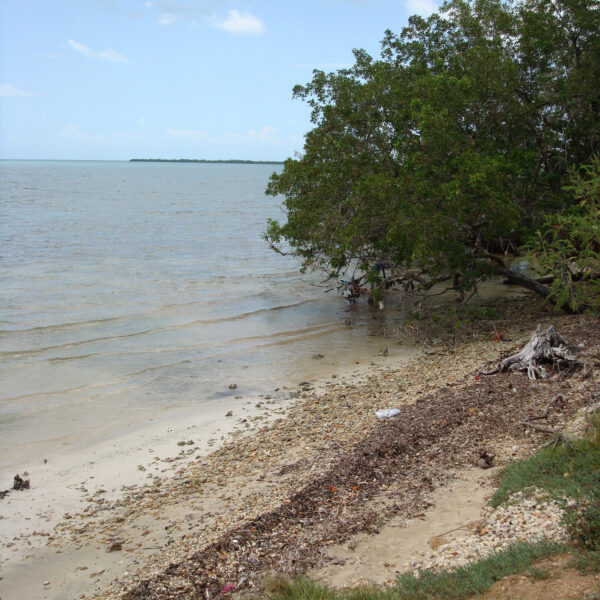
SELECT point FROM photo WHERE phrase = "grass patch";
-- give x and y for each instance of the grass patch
(538, 574)
(588, 561)
(561, 472)
(459, 583)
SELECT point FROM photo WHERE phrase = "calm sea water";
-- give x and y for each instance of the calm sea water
(129, 289)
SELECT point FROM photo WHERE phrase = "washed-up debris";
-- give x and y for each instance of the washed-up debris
(386, 413)
(20, 483)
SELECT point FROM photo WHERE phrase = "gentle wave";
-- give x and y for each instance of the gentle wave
(186, 325)
(140, 289)
(105, 383)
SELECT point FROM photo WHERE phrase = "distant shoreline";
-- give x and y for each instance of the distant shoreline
(202, 160)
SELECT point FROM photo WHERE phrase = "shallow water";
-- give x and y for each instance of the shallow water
(133, 289)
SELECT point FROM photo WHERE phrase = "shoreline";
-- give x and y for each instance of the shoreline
(156, 447)
(178, 519)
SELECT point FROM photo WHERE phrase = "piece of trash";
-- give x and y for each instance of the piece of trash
(20, 483)
(386, 413)
(228, 588)
(381, 305)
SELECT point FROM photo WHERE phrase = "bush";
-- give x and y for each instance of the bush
(568, 245)
(583, 524)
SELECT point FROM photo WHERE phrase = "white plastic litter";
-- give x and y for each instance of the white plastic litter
(386, 413)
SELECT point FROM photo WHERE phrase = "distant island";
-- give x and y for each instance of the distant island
(231, 161)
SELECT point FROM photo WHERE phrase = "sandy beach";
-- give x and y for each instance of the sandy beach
(188, 509)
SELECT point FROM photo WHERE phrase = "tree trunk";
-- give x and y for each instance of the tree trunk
(524, 281)
(529, 283)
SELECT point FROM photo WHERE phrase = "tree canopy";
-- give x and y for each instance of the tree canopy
(451, 148)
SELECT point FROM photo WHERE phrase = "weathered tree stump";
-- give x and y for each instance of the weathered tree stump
(544, 347)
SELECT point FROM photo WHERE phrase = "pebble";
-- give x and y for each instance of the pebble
(529, 517)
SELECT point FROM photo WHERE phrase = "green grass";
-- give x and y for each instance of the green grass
(561, 472)
(460, 583)
(588, 561)
(538, 574)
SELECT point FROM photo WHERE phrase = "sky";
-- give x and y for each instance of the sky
(211, 79)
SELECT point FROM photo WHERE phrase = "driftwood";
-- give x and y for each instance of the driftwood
(543, 347)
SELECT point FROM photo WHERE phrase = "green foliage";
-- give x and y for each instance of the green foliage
(448, 147)
(538, 574)
(568, 244)
(561, 472)
(589, 561)
(460, 583)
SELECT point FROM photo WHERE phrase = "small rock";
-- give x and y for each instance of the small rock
(115, 547)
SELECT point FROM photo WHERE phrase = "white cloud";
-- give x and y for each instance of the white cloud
(266, 135)
(108, 54)
(10, 91)
(424, 8)
(148, 4)
(112, 55)
(239, 23)
(166, 19)
(79, 47)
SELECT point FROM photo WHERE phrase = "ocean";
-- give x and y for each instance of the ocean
(133, 289)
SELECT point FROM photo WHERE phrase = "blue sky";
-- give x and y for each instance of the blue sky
(117, 79)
